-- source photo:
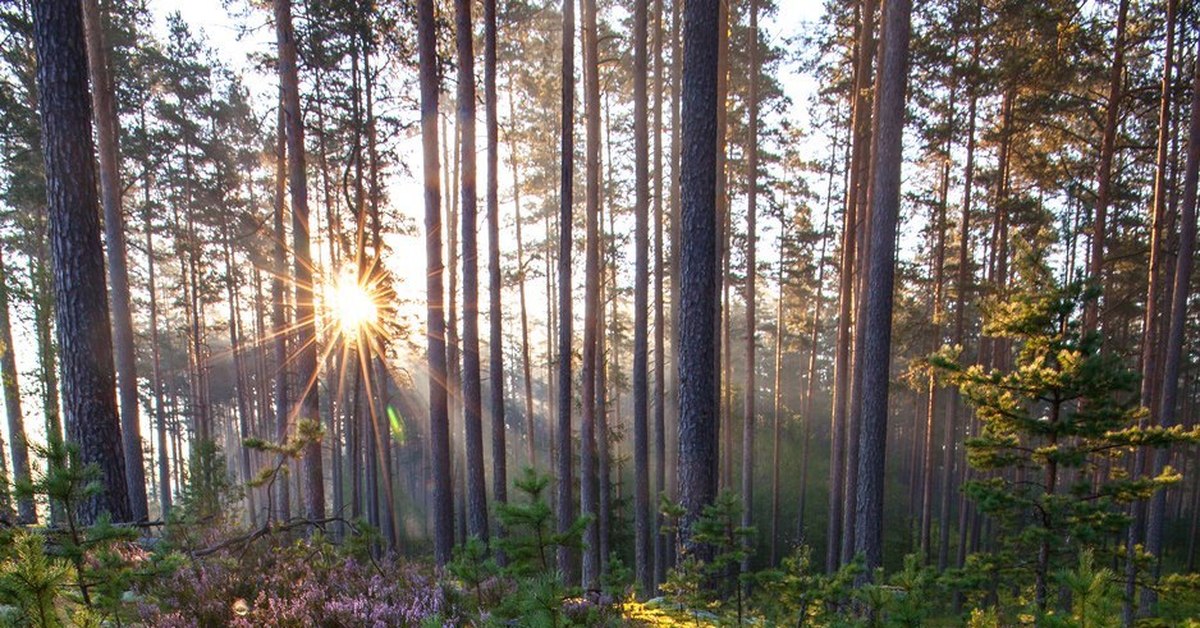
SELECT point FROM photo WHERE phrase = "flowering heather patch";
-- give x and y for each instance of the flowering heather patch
(307, 584)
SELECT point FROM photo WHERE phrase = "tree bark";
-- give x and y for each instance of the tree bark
(641, 452)
(566, 557)
(476, 486)
(1172, 362)
(306, 362)
(18, 445)
(698, 276)
(588, 498)
(107, 134)
(749, 410)
(1112, 116)
(876, 343)
(81, 312)
(496, 342)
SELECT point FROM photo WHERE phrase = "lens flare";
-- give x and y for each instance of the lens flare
(354, 305)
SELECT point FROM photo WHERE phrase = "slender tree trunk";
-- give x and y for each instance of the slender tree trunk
(1178, 315)
(18, 445)
(81, 316)
(876, 344)
(839, 417)
(476, 487)
(641, 452)
(306, 362)
(526, 361)
(591, 307)
(749, 411)
(107, 133)
(939, 259)
(496, 342)
(566, 512)
(777, 397)
(659, 318)
(239, 380)
(1112, 116)
(160, 417)
(1151, 377)
(699, 379)
(279, 322)
(962, 285)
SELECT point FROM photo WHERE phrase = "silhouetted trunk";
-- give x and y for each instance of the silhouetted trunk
(239, 381)
(476, 487)
(881, 266)
(1151, 376)
(18, 445)
(160, 414)
(1176, 330)
(588, 498)
(659, 312)
(699, 281)
(641, 452)
(839, 417)
(81, 312)
(1112, 117)
(306, 341)
(962, 284)
(526, 360)
(565, 506)
(107, 134)
(496, 342)
(279, 323)
(749, 412)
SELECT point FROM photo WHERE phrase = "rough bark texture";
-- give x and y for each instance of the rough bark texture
(107, 133)
(860, 129)
(699, 283)
(588, 488)
(81, 300)
(881, 267)
(1172, 362)
(641, 451)
(471, 386)
(306, 341)
(435, 332)
(565, 505)
(496, 342)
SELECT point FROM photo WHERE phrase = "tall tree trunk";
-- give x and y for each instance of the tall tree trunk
(107, 134)
(699, 282)
(496, 342)
(239, 380)
(839, 417)
(476, 486)
(1112, 116)
(939, 263)
(962, 284)
(160, 414)
(777, 396)
(591, 299)
(81, 312)
(279, 322)
(526, 360)
(641, 452)
(749, 411)
(18, 445)
(1178, 315)
(1151, 376)
(306, 362)
(881, 266)
(659, 312)
(566, 511)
